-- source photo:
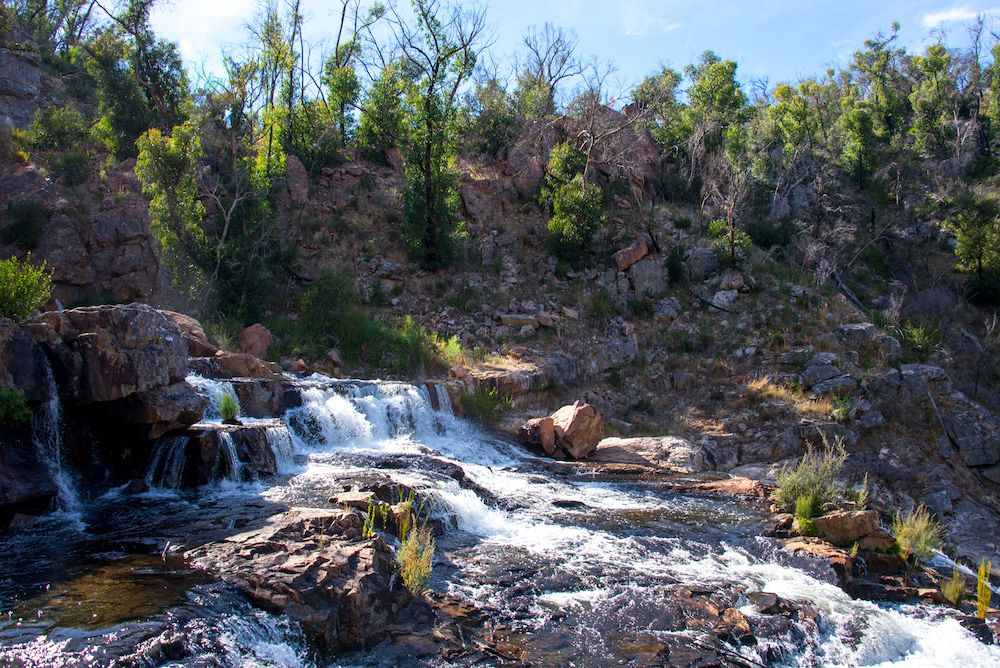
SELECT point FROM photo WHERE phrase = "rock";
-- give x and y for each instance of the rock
(311, 565)
(731, 280)
(723, 299)
(857, 335)
(255, 340)
(539, 432)
(732, 486)
(234, 365)
(25, 483)
(815, 375)
(22, 362)
(162, 409)
(796, 356)
(879, 540)
(700, 262)
(357, 500)
(648, 277)
(297, 366)
(840, 562)
(458, 371)
(664, 452)
(629, 255)
(846, 527)
(571, 313)
(733, 626)
(578, 429)
(106, 353)
(835, 385)
(198, 344)
(297, 180)
(334, 358)
(517, 320)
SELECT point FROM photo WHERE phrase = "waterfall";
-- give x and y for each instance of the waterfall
(280, 441)
(443, 398)
(227, 451)
(46, 432)
(166, 466)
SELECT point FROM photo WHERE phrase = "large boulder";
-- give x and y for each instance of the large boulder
(198, 344)
(660, 452)
(22, 363)
(162, 409)
(539, 432)
(256, 340)
(578, 429)
(846, 527)
(234, 365)
(312, 565)
(107, 353)
(629, 255)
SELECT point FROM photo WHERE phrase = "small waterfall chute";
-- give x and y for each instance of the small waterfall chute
(279, 439)
(46, 432)
(215, 389)
(168, 463)
(228, 466)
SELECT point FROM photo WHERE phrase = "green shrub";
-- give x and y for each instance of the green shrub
(71, 165)
(724, 249)
(485, 405)
(953, 589)
(716, 229)
(813, 478)
(416, 559)
(675, 265)
(918, 535)
(229, 407)
(768, 235)
(985, 290)
(13, 406)
(23, 287)
(919, 341)
(577, 215)
(26, 220)
(57, 128)
(983, 591)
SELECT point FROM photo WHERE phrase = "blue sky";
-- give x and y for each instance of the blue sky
(783, 40)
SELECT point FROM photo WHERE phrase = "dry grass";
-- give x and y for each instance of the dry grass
(764, 389)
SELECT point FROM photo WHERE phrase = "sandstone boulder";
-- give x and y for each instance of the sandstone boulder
(539, 432)
(661, 452)
(162, 409)
(629, 255)
(106, 353)
(838, 560)
(846, 527)
(578, 429)
(256, 340)
(312, 565)
(198, 344)
(234, 365)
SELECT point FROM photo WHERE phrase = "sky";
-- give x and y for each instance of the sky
(780, 40)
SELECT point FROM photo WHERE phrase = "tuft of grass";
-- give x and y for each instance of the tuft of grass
(486, 405)
(416, 559)
(229, 407)
(919, 341)
(814, 477)
(953, 589)
(764, 389)
(983, 591)
(806, 508)
(918, 534)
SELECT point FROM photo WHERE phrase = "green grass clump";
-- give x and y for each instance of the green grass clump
(229, 407)
(919, 341)
(13, 406)
(485, 405)
(983, 591)
(918, 535)
(23, 287)
(813, 478)
(953, 589)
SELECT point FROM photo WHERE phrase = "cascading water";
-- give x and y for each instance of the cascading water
(582, 570)
(166, 466)
(46, 431)
(215, 389)
(228, 465)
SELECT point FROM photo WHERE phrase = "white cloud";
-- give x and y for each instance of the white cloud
(642, 17)
(953, 15)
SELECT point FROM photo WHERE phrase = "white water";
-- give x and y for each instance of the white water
(166, 466)
(344, 419)
(228, 456)
(215, 389)
(46, 432)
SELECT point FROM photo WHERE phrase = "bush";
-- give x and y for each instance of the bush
(953, 589)
(919, 341)
(813, 478)
(724, 253)
(72, 165)
(806, 508)
(984, 291)
(13, 406)
(577, 215)
(26, 219)
(57, 128)
(485, 405)
(23, 287)
(416, 559)
(717, 229)
(768, 235)
(918, 535)
(229, 407)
